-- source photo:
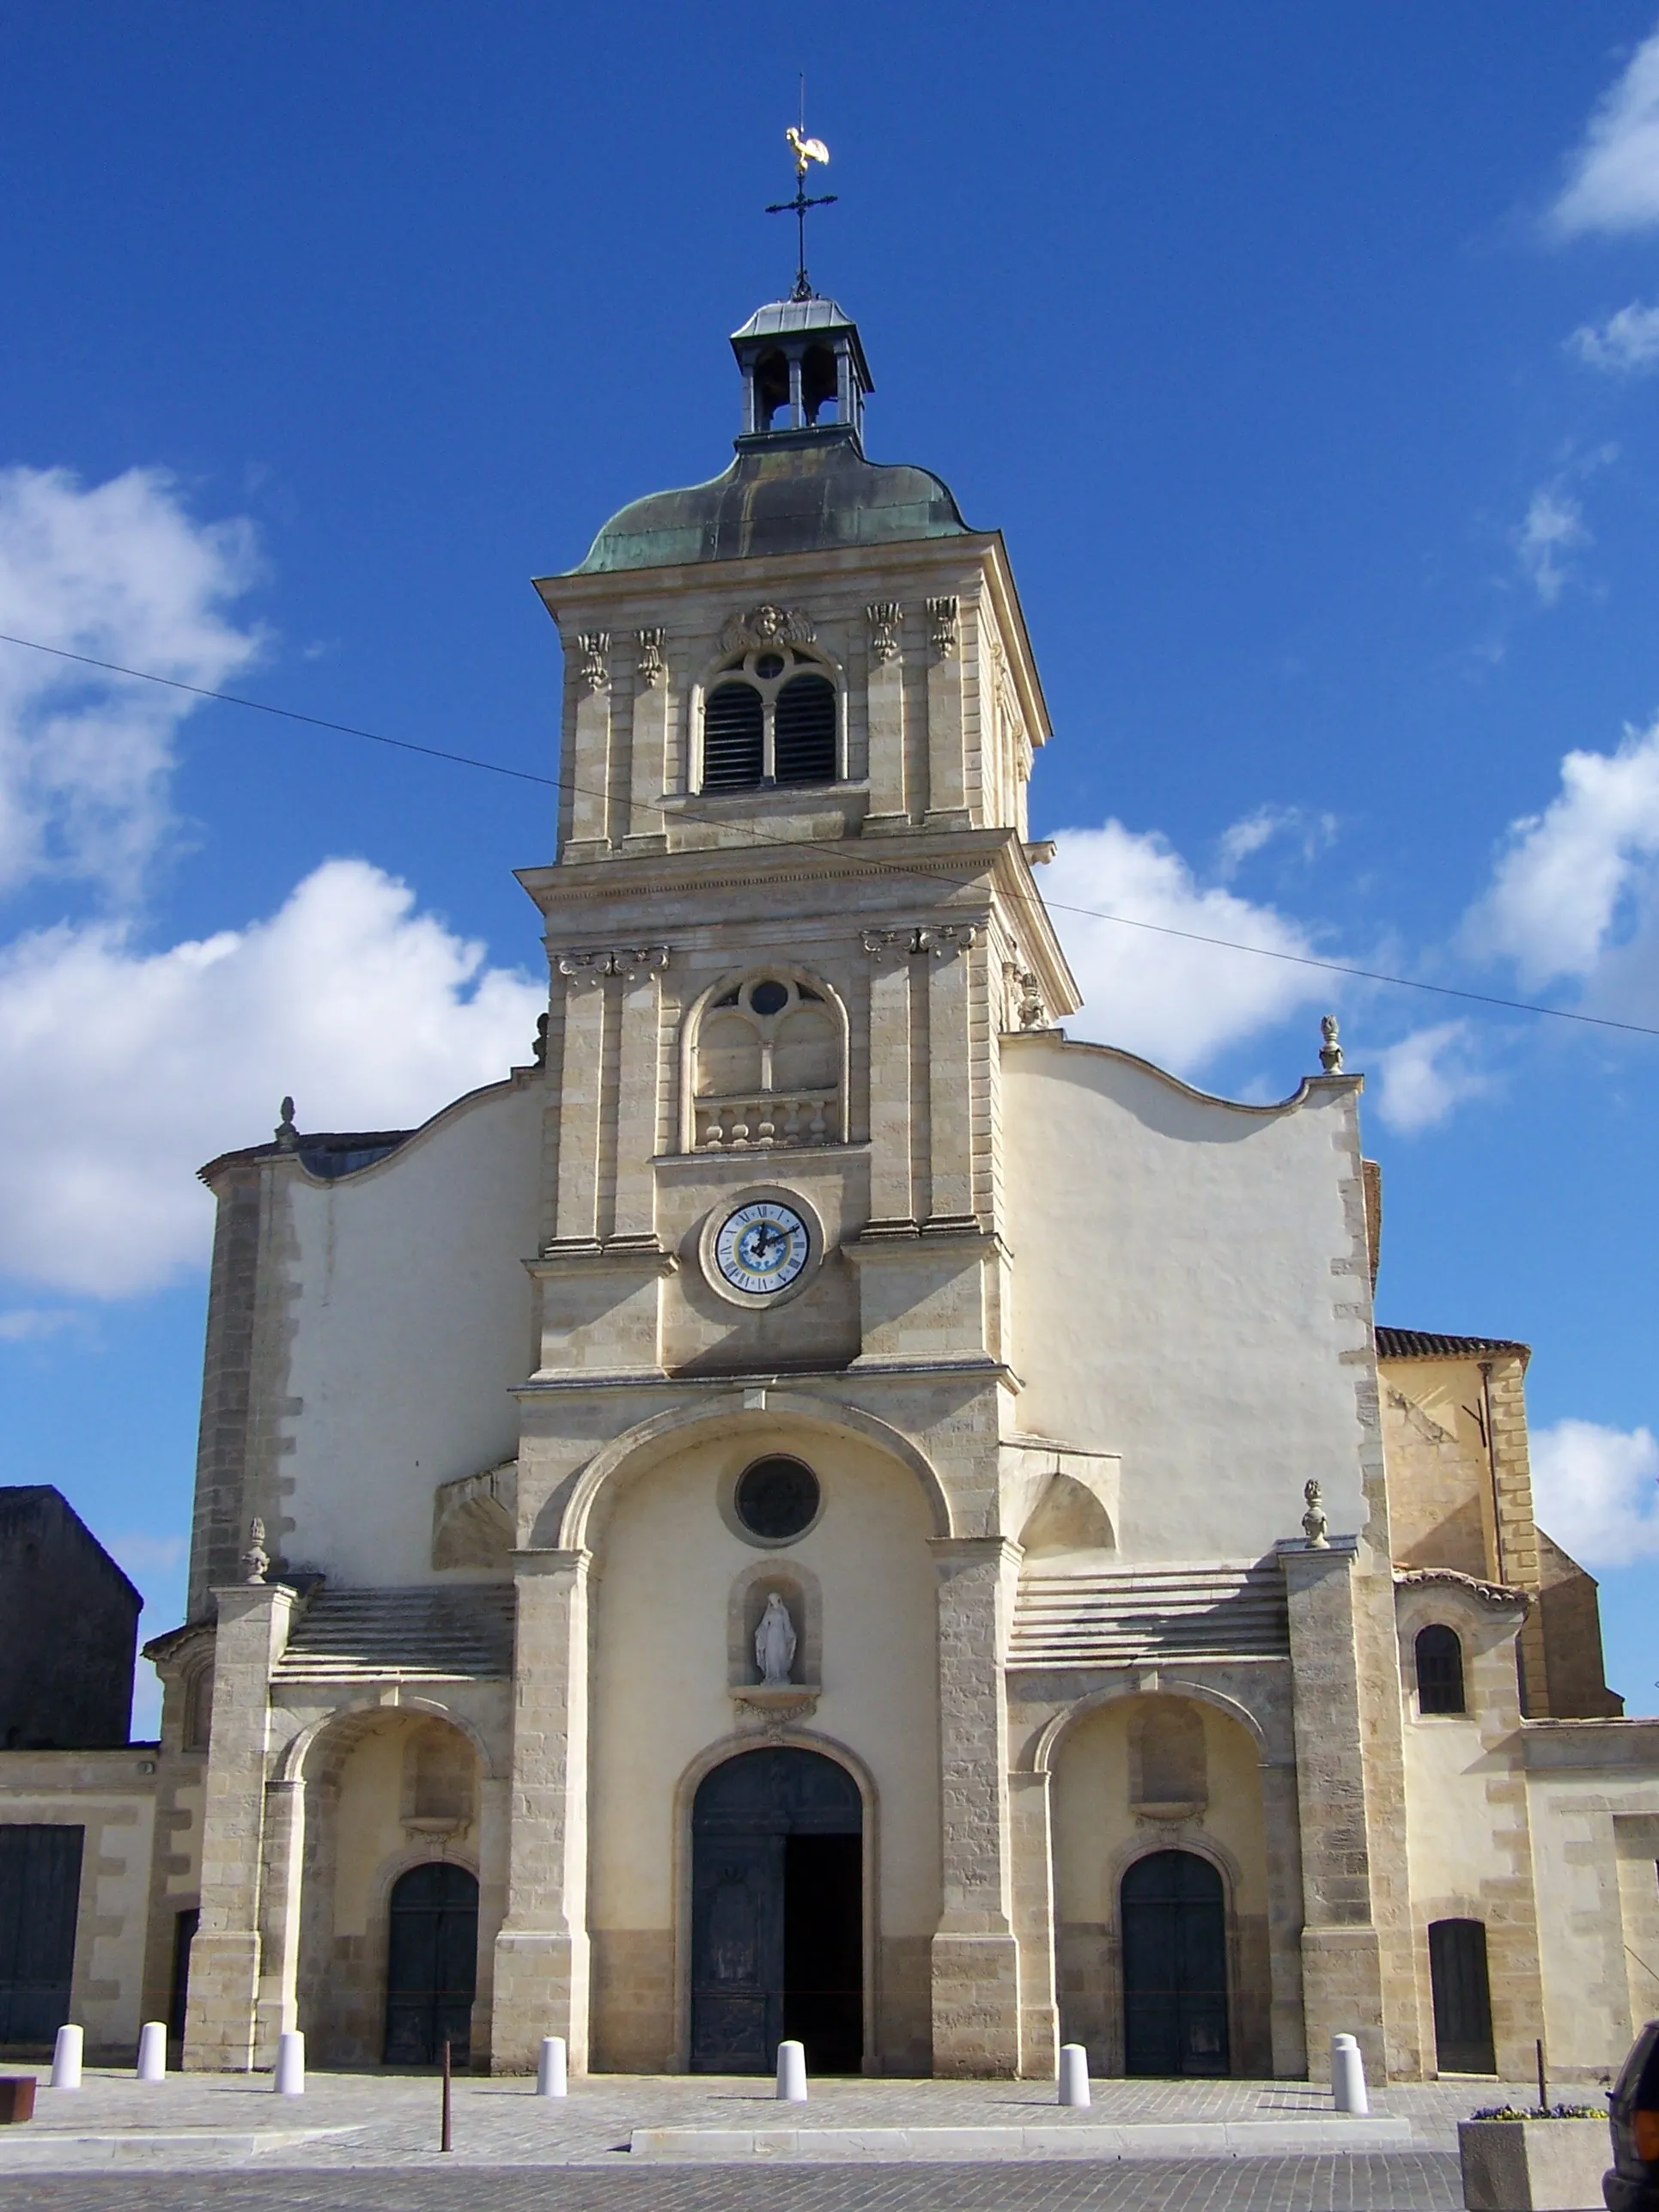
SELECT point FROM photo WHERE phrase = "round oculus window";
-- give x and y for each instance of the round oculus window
(770, 997)
(777, 1498)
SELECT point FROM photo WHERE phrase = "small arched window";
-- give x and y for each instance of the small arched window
(1439, 1670)
(766, 1067)
(770, 716)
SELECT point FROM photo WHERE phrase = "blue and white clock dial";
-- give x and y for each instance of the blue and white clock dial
(761, 1246)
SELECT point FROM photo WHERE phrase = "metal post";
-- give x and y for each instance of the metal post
(445, 2144)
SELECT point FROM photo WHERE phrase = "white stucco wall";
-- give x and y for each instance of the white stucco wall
(412, 1322)
(1176, 1296)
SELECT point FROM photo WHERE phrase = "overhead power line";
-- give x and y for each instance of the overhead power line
(871, 861)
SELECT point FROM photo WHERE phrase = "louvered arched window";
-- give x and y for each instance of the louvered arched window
(770, 716)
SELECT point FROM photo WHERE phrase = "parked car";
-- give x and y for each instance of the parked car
(1632, 2182)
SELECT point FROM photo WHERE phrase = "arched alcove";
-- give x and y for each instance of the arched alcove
(386, 1789)
(1135, 1776)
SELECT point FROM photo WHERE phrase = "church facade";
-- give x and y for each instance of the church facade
(821, 1506)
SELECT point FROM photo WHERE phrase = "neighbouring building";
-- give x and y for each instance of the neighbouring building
(819, 1506)
(77, 1800)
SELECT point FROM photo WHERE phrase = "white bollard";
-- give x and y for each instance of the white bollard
(153, 2051)
(66, 2058)
(1348, 2076)
(792, 2073)
(290, 2079)
(1073, 2074)
(550, 2069)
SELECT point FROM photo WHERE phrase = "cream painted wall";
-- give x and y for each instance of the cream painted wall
(1452, 1830)
(1176, 1297)
(412, 1322)
(1095, 1834)
(1584, 1921)
(665, 1565)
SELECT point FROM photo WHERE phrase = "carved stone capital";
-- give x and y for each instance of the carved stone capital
(629, 962)
(594, 673)
(884, 616)
(765, 625)
(917, 941)
(944, 614)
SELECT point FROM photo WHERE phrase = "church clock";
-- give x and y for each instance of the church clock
(761, 1246)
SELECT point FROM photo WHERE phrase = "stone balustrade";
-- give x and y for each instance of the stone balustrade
(764, 1119)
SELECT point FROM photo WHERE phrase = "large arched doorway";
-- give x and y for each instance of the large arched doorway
(777, 1914)
(1175, 1966)
(432, 1965)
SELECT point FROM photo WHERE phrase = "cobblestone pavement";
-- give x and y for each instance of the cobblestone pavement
(1397, 2182)
(372, 2120)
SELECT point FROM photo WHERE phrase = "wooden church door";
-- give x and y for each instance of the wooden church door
(777, 1914)
(432, 1965)
(1175, 1966)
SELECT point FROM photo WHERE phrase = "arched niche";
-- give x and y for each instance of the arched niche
(1138, 1775)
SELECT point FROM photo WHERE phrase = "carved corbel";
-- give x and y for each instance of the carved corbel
(652, 668)
(884, 616)
(944, 614)
(594, 644)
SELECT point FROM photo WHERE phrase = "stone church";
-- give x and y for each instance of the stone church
(820, 1506)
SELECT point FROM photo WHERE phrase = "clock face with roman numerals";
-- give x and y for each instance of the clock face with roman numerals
(761, 1246)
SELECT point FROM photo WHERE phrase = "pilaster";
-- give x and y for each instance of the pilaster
(947, 793)
(890, 802)
(581, 1076)
(223, 2025)
(647, 753)
(950, 1059)
(1030, 1831)
(638, 1093)
(1342, 1960)
(891, 1119)
(590, 796)
(975, 1953)
(541, 1977)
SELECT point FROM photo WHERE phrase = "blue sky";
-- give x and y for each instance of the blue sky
(1308, 358)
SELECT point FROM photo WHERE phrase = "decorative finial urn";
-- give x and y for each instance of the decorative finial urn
(256, 1560)
(1330, 1053)
(287, 1137)
(1316, 1522)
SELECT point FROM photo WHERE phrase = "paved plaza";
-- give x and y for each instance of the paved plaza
(365, 2142)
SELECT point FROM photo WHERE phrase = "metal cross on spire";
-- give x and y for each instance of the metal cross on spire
(806, 151)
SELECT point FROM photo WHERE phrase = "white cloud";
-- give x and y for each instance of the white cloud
(32, 1324)
(1612, 182)
(1174, 1002)
(1554, 525)
(119, 571)
(1596, 1490)
(1626, 344)
(1578, 881)
(1426, 1075)
(1242, 839)
(122, 1070)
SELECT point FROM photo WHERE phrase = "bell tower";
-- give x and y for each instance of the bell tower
(792, 913)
